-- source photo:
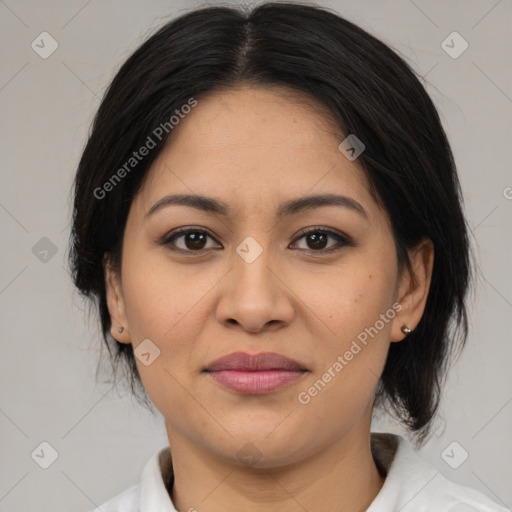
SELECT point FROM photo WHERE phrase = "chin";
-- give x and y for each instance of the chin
(264, 444)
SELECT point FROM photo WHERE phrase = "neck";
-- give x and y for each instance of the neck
(342, 477)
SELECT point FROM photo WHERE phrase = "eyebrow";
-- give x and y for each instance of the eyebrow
(291, 207)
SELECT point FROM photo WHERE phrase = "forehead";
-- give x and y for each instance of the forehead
(255, 145)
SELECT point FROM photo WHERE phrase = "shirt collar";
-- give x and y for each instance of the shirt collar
(153, 492)
(405, 472)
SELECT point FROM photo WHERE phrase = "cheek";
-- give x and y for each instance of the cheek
(163, 305)
(352, 320)
(155, 294)
(346, 300)
(166, 302)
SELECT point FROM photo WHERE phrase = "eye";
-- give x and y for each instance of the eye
(194, 240)
(317, 239)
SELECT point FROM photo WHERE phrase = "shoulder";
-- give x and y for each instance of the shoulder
(150, 493)
(460, 498)
(125, 501)
(414, 485)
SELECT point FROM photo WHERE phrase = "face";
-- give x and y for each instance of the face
(318, 285)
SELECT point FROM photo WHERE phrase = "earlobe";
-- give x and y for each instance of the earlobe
(119, 334)
(413, 289)
(115, 303)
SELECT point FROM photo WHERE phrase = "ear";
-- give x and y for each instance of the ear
(115, 302)
(413, 289)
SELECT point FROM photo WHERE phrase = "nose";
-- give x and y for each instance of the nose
(255, 295)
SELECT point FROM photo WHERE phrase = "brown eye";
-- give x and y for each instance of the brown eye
(195, 240)
(317, 239)
(192, 240)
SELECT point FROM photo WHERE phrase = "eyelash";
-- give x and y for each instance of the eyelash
(167, 240)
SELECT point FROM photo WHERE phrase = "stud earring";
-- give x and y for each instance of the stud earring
(120, 329)
(406, 330)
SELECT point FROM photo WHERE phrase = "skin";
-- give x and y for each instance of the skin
(255, 148)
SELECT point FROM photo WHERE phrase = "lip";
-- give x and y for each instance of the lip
(255, 374)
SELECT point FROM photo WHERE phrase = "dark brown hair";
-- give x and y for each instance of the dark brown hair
(369, 91)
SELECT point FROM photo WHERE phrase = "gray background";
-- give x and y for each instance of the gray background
(50, 346)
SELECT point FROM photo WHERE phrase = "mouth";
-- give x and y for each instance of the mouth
(255, 374)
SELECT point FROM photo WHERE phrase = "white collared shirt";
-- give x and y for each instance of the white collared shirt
(412, 485)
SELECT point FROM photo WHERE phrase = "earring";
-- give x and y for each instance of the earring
(406, 330)
(120, 329)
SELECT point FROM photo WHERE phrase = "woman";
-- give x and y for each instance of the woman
(269, 217)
